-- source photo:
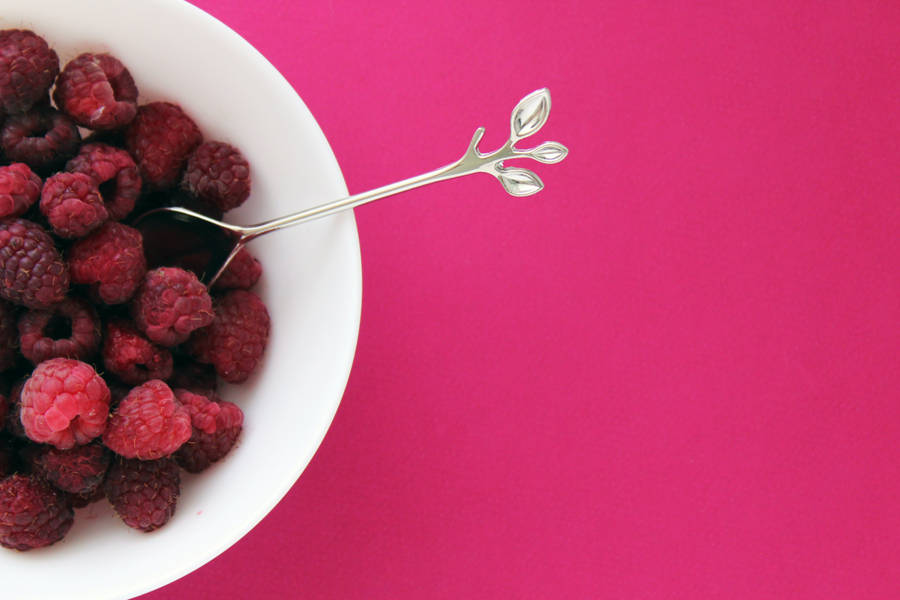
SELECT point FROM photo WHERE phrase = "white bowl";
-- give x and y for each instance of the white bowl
(311, 285)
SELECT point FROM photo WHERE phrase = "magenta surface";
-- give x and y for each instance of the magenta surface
(672, 374)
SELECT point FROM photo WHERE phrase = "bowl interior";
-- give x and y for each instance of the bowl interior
(311, 285)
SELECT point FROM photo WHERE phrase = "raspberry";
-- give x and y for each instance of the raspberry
(9, 339)
(28, 67)
(143, 492)
(160, 138)
(97, 91)
(32, 514)
(64, 403)
(79, 470)
(42, 138)
(218, 174)
(32, 272)
(216, 426)
(241, 273)
(170, 304)
(131, 357)
(149, 423)
(69, 329)
(72, 204)
(237, 338)
(115, 173)
(110, 260)
(19, 189)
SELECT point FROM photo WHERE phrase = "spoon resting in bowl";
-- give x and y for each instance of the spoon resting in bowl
(172, 234)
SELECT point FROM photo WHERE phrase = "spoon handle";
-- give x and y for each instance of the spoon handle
(528, 117)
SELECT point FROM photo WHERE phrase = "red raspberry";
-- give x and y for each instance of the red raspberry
(216, 426)
(28, 67)
(19, 189)
(64, 403)
(32, 514)
(111, 261)
(218, 174)
(72, 204)
(69, 329)
(132, 357)
(143, 492)
(241, 273)
(79, 470)
(9, 339)
(116, 175)
(149, 423)
(170, 304)
(237, 338)
(97, 91)
(32, 272)
(160, 138)
(42, 138)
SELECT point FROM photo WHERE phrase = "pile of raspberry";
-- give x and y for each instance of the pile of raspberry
(109, 365)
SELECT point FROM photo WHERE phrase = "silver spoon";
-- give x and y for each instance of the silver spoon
(168, 231)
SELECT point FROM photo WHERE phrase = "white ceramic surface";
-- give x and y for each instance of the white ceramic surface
(312, 286)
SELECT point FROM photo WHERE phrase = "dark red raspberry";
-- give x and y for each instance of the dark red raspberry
(42, 138)
(132, 357)
(79, 470)
(28, 67)
(241, 273)
(64, 403)
(32, 513)
(161, 138)
(194, 376)
(216, 426)
(9, 338)
(32, 272)
(116, 175)
(236, 340)
(170, 304)
(69, 329)
(97, 91)
(111, 261)
(218, 174)
(143, 492)
(72, 204)
(149, 423)
(19, 189)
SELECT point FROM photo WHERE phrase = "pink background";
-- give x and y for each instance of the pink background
(672, 374)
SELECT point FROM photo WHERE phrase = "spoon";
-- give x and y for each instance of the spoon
(176, 235)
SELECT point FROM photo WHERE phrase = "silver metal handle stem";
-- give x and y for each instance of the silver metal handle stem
(528, 117)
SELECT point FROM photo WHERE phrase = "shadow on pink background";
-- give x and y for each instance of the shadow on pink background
(672, 374)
